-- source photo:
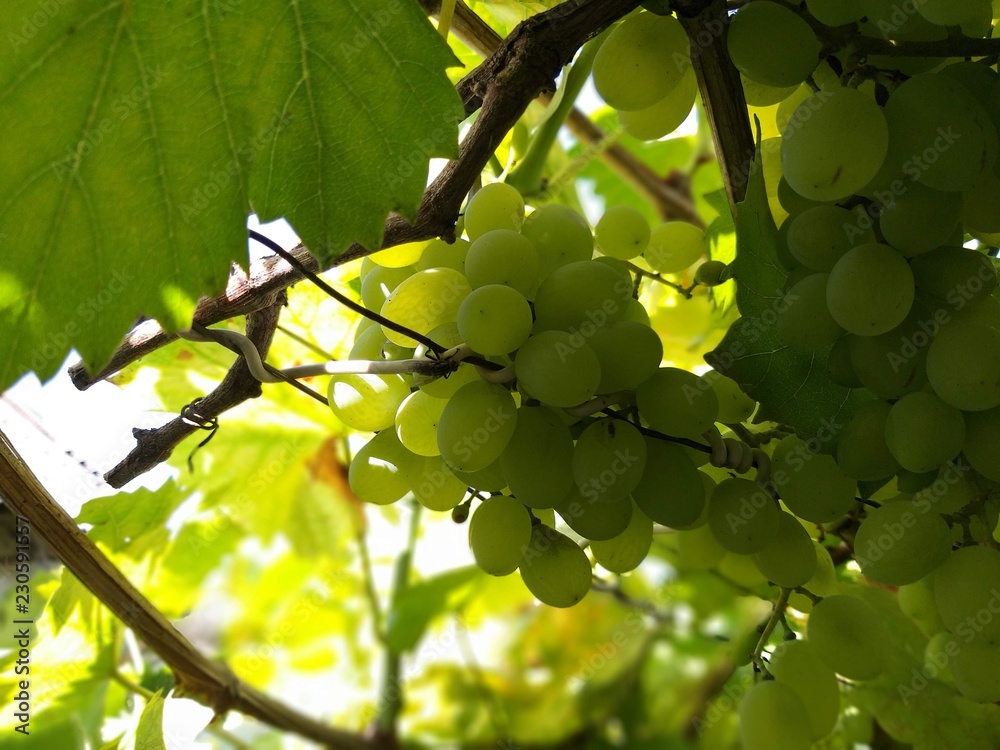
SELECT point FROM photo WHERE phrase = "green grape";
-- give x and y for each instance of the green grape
(742, 646)
(674, 246)
(978, 79)
(439, 254)
(948, 492)
(367, 402)
(581, 296)
(901, 542)
(804, 320)
(952, 12)
(938, 132)
(839, 364)
(666, 115)
(424, 301)
(823, 582)
(381, 472)
(849, 637)
(708, 484)
(734, 405)
(772, 716)
(627, 550)
(446, 335)
(622, 232)
(788, 560)
(760, 95)
(369, 344)
(628, 352)
(555, 570)
(635, 312)
(416, 423)
(597, 521)
(862, 452)
(981, 203)
(399, 256)
(834, 144)
(712, 273)
(500, 528)
(380, 282)
(982, 442)
(671, 490)
(893, 364)
(772, 45)
(870, 290)
(608, 460)
(962, 365)
(538, 460)
(364, 324)
(797, 665)
(476, 425)
(792, 202)
(436, 487)
(494, 319)
(742, 516)
(495, 206)
(739, 569)
(976, 671)
(814, 487)
(956, 275)
(560, 236)
(923, 432)
(916, 600)
(836, 12)
(558, 368)
(820, 236)
(911, 482)
(490, 479)
(637, 64)
(699, 549)
(393, 351)
(678, 403)
(965, 587)
(502, 257)
(920, 219)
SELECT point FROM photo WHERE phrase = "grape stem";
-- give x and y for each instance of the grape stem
(601, 403)
(685, 291)
(777, 613)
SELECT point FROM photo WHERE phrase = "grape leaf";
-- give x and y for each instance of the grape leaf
(149, 734)
(412, 612)
(792, 387)
(135, 139)
(132, 522)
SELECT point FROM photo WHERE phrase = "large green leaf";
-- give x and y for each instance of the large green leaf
(132, 522)
(792, 387)
(136, 137)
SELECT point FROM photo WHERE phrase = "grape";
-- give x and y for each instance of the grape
(555, 570)
(814, 487)
(666, 115)
(560, 236)
(963, 365)
(381, 472)
(982, 442)
(923, 432)
(584, 295)
(597, 521)
(920, 219)
(862, 452)
(495, 206)
(955, 275)
(981, 203)
(916, 600)
(608, 460)
(894, 363)
(938, 131)
(627, 550)
(439, 254)
(446, 335)
(952, 12)
(500, 528)
(699, 549)
(622, 232)
(772, 45)
(965, 589)
(836, 12)
(849, 637)
(788, 560)
(901, 542)
(742, 516)
(675, 245)
(502, 257)
(910, 482)
(380, 282)
(671, 490)
(637, 64)
(839, 364)
(494, 319)
(820, 236)
(369, 344)
(976, 671)
(708, 484)
(772, 716)
(870, 290)
(711, 273)
(417, 421)
(436, 487)
(797, 665)
(759, 95)
(804, 320)
(490, 479)
(834, 144)
(538, 460)
(734, 405)
(678, 403)
(558, 369)
(948, 492)
(424, 301)
(635, 312)
(367, 402)
(628, 353)
(476, 425)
